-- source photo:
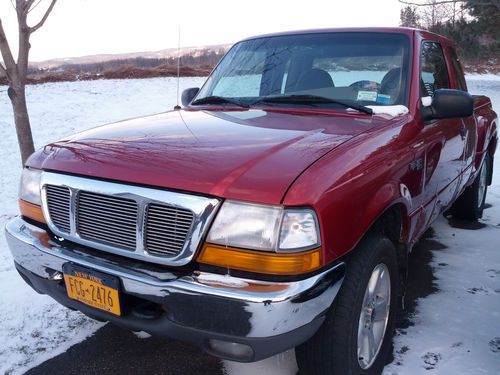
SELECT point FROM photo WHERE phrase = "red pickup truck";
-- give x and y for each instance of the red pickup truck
(276, 209)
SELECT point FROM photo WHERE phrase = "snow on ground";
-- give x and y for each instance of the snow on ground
(34, 328)
(456, 330)
(473, 78)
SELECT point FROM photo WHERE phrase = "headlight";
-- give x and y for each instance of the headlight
(266, 228)
(29, 189)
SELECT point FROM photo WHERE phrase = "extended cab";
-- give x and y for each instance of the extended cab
(276, 209)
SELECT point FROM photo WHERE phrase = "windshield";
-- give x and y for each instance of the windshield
(357, 68)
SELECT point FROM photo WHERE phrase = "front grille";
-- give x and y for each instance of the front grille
(148, 224)
(58, 199)
(166, 229)
(113, 221)
(107, 219)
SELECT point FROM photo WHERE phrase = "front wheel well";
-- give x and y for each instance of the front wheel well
(391, 224)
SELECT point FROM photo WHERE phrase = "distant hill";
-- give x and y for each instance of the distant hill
(161, 54)
(194, 61)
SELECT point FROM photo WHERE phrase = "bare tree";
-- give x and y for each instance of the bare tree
(439, 2)
(16, 71)
(435, 12)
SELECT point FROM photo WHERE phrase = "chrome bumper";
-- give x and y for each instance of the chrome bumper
(267, 316)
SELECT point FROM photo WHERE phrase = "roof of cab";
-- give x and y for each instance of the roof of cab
(397, 30)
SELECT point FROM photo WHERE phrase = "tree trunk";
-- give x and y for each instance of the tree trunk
(21, 119)
(16, 71)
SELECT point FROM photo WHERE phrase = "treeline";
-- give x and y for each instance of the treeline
(196, 64)
(473, 25)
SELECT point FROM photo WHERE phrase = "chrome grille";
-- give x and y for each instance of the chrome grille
(58, 199)
(166, 229)
(150, 224)
(107, 219)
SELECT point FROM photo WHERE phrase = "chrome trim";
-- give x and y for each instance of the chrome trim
(203, 208)
(231, 305)
(72, 208)
(59, 206)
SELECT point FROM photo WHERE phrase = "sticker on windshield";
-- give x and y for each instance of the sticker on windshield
(367, 95)
(384, 99)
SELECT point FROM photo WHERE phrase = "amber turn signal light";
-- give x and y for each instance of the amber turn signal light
(31, 210)
(261, 262)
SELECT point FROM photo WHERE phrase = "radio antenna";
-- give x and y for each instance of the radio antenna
(177, 106)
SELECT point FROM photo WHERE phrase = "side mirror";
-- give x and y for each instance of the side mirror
(188, 95)
(448, 103)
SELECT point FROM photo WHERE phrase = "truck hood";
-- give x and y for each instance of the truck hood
(251, 155)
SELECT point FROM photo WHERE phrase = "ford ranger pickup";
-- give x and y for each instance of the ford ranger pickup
(276, 209)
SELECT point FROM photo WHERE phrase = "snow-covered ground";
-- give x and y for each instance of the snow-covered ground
(456, 330)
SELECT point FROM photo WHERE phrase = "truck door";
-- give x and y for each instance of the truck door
(443, 138)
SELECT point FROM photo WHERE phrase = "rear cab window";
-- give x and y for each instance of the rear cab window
(433, 71)
(459, 79)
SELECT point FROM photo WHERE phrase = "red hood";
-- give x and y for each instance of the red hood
(251, 155)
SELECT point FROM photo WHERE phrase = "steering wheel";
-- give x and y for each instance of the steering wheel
(365, 85)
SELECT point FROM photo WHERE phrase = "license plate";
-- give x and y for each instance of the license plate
(92, 288)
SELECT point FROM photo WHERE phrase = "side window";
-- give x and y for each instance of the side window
(433, 72)
(457, 70)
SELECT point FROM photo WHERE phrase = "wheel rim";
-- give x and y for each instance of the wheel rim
(482, 186)
(374, 315)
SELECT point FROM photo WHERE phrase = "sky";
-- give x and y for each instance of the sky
(88, 27)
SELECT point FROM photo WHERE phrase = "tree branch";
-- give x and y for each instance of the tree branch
(44, 18)
(22, 6)
(8, 59)
(29, 3)
(3, 72)
(440, 2)
(24, 38)
(30, 8)
(430, 3)
(25, 5)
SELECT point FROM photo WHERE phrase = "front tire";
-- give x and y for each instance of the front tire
(356, 337)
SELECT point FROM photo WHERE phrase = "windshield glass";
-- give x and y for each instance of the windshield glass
(357, 68)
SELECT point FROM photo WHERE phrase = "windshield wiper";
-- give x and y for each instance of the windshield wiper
(219, 100)
(311, 100)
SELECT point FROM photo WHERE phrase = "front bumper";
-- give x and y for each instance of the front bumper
(234, 318)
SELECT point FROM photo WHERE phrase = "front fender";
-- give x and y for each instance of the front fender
(392, 194)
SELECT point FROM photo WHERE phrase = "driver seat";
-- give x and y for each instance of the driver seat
(314, 79)
(391, 84)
